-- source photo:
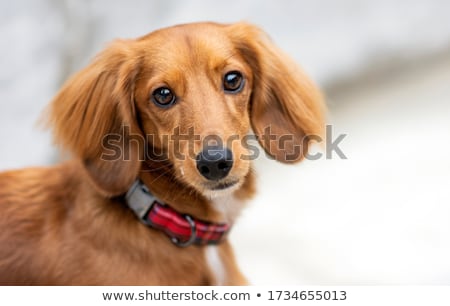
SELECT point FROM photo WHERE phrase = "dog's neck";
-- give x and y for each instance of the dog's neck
(160, 179)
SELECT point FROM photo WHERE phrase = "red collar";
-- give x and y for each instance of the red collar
(183, 229)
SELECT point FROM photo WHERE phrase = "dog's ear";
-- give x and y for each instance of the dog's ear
(94, 117)
(286, 109)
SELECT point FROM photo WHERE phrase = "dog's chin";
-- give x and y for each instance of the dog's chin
(213, 190)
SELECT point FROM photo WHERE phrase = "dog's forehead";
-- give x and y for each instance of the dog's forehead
(190, 45)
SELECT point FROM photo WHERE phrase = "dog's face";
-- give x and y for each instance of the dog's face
(191, 94)
(193, 100)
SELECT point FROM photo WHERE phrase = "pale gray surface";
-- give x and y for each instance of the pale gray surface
(379, 217)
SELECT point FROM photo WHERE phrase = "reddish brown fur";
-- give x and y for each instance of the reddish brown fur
(69, 225)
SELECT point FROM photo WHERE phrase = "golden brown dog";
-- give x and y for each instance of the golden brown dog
(157, 129)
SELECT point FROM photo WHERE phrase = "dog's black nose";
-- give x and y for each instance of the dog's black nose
(214, 163)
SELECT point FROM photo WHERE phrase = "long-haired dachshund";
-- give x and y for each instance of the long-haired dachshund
(157, 129)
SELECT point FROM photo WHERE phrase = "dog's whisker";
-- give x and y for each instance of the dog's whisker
(156, 169)
(160, 176)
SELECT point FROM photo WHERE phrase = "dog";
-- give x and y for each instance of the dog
(158, 167)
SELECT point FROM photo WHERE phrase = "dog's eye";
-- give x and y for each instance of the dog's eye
(163, 97)
(233, 82)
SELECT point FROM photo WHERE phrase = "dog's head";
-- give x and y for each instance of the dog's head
(189, 95)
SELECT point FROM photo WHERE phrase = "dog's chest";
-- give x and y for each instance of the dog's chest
(229, 207)
(216, 265)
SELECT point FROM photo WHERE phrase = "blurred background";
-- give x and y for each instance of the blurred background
(381, 216)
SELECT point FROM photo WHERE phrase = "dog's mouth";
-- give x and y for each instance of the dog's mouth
(224, 185)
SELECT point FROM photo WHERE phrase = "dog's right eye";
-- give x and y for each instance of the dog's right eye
(163, 97)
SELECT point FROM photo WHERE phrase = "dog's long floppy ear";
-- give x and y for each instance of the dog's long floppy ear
(93, 116)
(286, 109)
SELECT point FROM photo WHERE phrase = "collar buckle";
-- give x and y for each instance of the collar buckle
(140, 200)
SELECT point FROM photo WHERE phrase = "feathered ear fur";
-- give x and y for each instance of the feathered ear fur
(93, 116)
(286, 107)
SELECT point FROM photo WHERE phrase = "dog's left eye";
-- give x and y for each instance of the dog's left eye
(233, 82)
(163, 97)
